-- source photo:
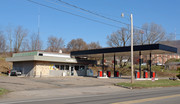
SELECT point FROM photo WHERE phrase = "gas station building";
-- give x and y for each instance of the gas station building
(45, 64)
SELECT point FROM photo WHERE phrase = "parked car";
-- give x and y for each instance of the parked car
(143, 64)
(15, 72)
(159, 64)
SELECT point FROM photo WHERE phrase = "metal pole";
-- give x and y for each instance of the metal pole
(39, 22)
(132, 69)
(114, 64)
(103, 64)
(150, 65)
(140, 63)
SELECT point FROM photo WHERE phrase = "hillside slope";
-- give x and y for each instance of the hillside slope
(4, 66)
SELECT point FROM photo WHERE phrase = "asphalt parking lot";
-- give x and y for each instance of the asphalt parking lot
(35, 88)
(28, 83)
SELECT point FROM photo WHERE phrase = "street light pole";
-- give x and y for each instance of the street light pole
(132, 68)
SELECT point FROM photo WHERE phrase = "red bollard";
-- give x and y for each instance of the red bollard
(145, 74)
(138, 75)
(99, 73)
(108, 74)
(116, 74)
(153, 74)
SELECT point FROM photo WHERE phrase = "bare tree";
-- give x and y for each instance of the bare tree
(9, 34)
(152, 33)
(138, 38)
(55, 44)
(25, 46)
(94, 45)
(77, 44)
(36, 43)
(119, 38)
(3, 47)
(20, 35)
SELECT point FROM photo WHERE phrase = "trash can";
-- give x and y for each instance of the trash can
(116, 74)
(100, 73)
(108, 73)
(153, 74)
(145, 74)
(137, 74)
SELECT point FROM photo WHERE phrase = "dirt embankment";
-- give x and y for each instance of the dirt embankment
(4, 66)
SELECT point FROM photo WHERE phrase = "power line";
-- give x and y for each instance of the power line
(66, 6)
(99, 15)
(92, 12)
(73, 14)
(102, 16)
(50, 1)
(87, 17)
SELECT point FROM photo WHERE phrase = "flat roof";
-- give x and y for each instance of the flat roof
(125, 51)
(41, 58)
(50, 59)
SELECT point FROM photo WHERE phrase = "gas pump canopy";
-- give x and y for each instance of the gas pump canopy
(126, 51)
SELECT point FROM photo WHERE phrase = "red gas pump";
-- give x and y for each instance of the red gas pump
(153, 74)
(137, 74)
(108, 73)
(116, 74)
(100, 73)
(145, 74)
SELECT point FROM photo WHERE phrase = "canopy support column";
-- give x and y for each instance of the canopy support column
(114, 64)
(150, 65)
(103, 64)
(140, 60)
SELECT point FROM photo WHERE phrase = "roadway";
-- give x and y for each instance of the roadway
(139, 96)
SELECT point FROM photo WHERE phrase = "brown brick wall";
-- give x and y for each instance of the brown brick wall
(42, 69)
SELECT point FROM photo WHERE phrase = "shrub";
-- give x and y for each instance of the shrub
(178, 76)
(172, 60)
(179, 72)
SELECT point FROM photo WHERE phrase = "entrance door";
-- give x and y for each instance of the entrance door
(72, 70)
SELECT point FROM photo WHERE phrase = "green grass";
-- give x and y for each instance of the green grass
(173, 60)
(3, 74)
(3, 91)
(150, 84)
(160, 71)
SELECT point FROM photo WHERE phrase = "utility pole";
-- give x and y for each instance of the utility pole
(132, 68)
(39, 22)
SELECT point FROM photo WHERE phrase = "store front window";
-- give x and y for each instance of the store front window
(62, 67)
(77, 68)
(67, 67)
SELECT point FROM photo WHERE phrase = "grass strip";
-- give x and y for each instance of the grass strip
(150, 84)
(3, 91)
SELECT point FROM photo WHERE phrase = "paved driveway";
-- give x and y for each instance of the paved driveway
(30, 88)
(27, 83)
